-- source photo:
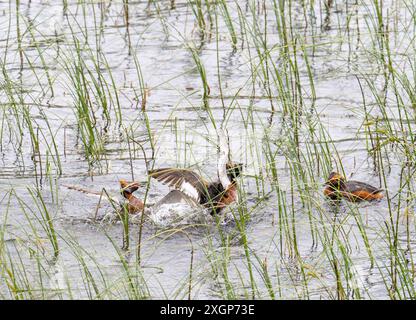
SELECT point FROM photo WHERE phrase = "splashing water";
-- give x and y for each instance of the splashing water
(175, 214)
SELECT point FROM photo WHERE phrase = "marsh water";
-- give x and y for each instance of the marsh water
(96, 91)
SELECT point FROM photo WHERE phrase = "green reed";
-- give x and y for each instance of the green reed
(289, 149)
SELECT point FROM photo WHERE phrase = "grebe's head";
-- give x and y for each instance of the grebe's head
(335, 180)
(233, 170)
(128, 187)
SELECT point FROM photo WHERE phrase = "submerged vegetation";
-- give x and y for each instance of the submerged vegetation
(92, 92)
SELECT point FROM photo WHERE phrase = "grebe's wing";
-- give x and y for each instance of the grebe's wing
(355, 186)
(184, 180)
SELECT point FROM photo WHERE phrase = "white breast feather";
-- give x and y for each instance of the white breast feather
(223, 159)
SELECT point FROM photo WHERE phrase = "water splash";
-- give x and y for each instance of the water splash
(176, 214)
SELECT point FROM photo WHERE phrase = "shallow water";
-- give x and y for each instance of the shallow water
(340, 50)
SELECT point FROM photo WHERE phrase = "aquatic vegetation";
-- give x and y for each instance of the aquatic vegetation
(93, 93)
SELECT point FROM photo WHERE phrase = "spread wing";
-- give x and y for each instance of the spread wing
(186, 181)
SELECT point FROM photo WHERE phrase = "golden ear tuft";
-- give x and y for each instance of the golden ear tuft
(123, 183)
(129, 186)
(335, 176)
